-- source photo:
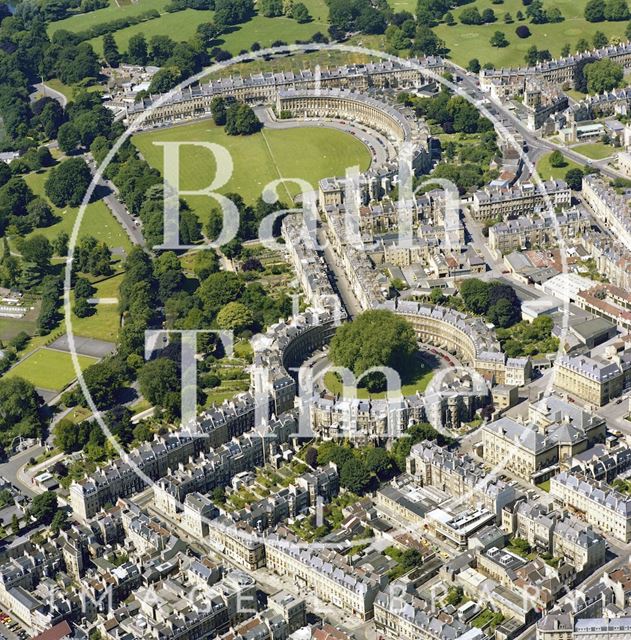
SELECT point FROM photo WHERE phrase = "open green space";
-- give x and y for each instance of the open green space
(417, 381)
(97, 221)
(105, 322)
(595, 150)
(472, 41)
(49, 369)
(309, 153)
(547, 171)
(182, 25)
(84, 21)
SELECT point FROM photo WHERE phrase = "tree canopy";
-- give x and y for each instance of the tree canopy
(374, 339)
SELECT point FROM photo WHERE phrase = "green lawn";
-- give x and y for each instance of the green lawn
(558, 173)
(49, 369)
(84, 21)
(417, 382)
(310, 153)
(182, 25)
(97, 221)
(545, 485)
(105, 323)
(472, 41)
(595, 150)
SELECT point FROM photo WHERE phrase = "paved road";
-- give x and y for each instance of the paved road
(45, 90)
(11, 470)
(117, 208)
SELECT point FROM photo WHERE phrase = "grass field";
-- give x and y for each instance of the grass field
(310, 153)
(417, 382)
(105, 323)
(98, 220)
(84, 21)
(595, 150)
(472, 41)
(49, 369)
(558, 173)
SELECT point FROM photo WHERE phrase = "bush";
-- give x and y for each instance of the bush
(523, 31)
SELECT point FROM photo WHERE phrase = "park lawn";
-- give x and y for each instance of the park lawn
(472, 41)
(71, 90)
(84, 21)
(558, 173)
(98, 220)
(403, 5)
(309, 153)
(182, 25)
(105, 323)
(418, 382)
(595, 150)
(49, 369)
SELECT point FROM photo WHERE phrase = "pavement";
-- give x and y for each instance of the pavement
(84, 346)
(13, 469)
(43, 89)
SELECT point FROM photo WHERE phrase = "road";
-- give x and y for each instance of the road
(117, 208)
(536, 145)
(46, 91)
(12, 469)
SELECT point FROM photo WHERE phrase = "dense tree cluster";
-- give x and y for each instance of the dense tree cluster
(68, 182)
(602, 75)
(374, 339)
(20, 410)
(241, 120)
(495, 300)
(600, 10)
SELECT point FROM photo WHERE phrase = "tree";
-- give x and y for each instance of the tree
(616, 10)
(602, 75)
(488, 16)
(158, 380)
(474, 65)
(556, 159)
(311, 457)
(15, 524)
(218, 109)
(595, 10)
(522, 31)
(449, 19)
(378, 461)
(43, 507)
(498, 39)
(600, 40)
(110, 50)
(503, 313)
(218, 289)
(470, 15)
(19, 408)
(241, 120)
(582, 45)
(300, 13)
(68, 137)
(354, 476)
(574, 179)
(68, 182)
(234, 317)
(39, 214)
(374, 339)
(36, 249)
(137, 50)
(5, 173)
(475, 294)
(627, 31)
(59, 522)
(508, 18)
(565, 51)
